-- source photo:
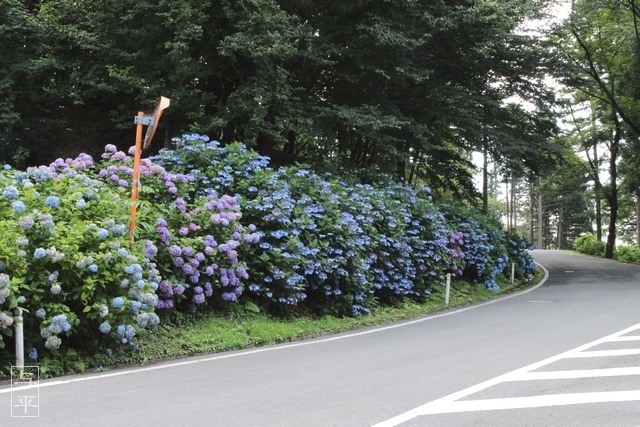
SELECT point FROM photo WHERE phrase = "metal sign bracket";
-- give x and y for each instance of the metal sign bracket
(144, 120)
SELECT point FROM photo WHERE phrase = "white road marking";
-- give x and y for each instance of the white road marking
(629, 338)
(607, 353)
(533, 402)
(452, 402)
(277, 347)
(578, 373)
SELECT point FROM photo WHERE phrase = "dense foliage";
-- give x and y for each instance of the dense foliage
(218, 226)
(406, 85)
(600, 46)
(588, 244)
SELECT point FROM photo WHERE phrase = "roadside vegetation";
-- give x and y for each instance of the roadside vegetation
(589, 244)
(220, 232)
(208, 333)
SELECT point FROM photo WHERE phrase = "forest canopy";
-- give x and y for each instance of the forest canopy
(408, 86)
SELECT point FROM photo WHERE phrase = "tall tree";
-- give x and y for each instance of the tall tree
(601, 47)
(411, 87)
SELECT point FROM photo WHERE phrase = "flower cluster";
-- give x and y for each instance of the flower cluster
(62, 246)
(332, 244)
(203, 255)
(216, 225)
(456, 242)
(58, 325)
(4, 286)
(198, 239)
(5, 320)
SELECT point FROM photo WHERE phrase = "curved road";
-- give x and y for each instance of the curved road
(566, 353)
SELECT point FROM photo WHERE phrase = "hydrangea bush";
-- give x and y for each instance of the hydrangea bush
(216, 226)
(488, 250)
(195, 237)
(332, 243)
(66, 261)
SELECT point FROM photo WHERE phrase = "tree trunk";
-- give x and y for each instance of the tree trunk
(290, 148)
(414, 166)
(506, 190)
(597, 187)
(638, 218)
(485, 180)
(612, 194)
(532, 208)
(514, 208)
(540, 215)
(559, 237)
(401, 164)
(341, 135)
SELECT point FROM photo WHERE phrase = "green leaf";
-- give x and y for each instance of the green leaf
(249, 306)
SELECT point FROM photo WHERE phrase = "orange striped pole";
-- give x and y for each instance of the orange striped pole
(135, 182)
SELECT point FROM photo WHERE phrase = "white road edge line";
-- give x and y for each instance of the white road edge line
(278, 347)
(436, 406)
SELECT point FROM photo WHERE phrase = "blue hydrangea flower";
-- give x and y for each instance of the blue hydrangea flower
(33, 355)
(53, 342)
(60, 319)
(18, 206)
(56, 289)
(118, 302)
(11, 193)
(142, 320)
(129, 332)
(52, 202)
(93, 268)
(26, 222)
(55, 328)
(81, 204)
(102, 233)
(135, 306)
(41, 312)
(105, 327)
(120, 331)
(39, 253)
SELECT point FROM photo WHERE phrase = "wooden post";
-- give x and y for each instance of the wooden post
(135, 181)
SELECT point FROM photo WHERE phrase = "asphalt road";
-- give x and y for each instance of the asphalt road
(564, 354)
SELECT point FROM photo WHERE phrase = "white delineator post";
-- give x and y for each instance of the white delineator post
(447, 289)
(19, 338)
(513, 273)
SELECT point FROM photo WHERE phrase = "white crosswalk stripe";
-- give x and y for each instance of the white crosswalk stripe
(457, 402)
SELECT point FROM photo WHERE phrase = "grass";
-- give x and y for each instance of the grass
(186, 335)
(214, 333)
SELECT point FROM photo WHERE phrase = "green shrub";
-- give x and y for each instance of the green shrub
(588, 244)
(628, 254)
(66, 261)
